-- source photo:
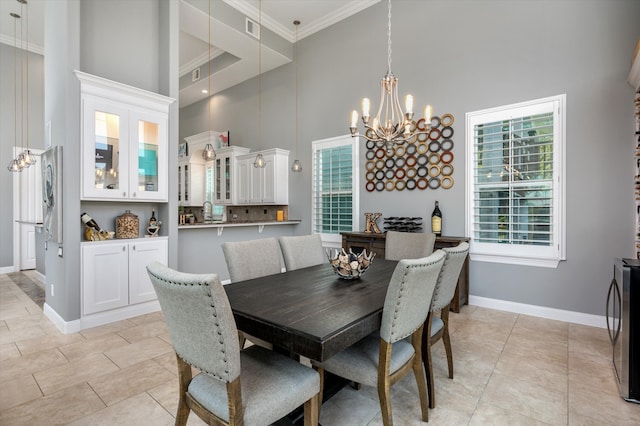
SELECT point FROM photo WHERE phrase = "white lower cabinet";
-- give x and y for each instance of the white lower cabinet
(114, 273)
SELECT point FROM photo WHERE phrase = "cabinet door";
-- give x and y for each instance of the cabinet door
(105, 152)
(142, 253)
(148, 156)
(105, 277)
(243, 177)
(218, 180)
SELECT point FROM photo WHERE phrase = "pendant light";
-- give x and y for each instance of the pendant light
(208, 153)
(259, 161)
(14, 165)
(296, 167)
(29, 158)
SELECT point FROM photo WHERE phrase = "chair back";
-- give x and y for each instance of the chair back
(198, 315)
(406, 305)
(408, 245)
(252, 259)
(446, 286)
(302, 251)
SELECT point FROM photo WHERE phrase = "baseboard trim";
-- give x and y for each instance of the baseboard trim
(101, 318)
(7, 269)
(540, 311)
(65, 327)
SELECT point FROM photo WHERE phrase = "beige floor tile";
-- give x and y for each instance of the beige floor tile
(482, 331)
(489, 414)
(536, 323)
(57, 378)
(13, 312)
(17, 391)
(589, 342)
(144, 331)
(595, 374)
(147, 318)
(113, 327)
(530, 367)
(59, 408)
(555, 353)
(576, 419)
(98, 344)
(169, 362)
(498, 318)
(142, 350)
(40, 343)
(31, 363)
(349, 407)
(541, 336)
(138, 410)
(115, 387)
(592, 402)
(166, 394)
(8, 350)
(526, 398)
(13, 336)
(27, 321)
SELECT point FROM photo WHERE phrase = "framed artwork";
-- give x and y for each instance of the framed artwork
(52, 193)
(183, 150)
(222, 139)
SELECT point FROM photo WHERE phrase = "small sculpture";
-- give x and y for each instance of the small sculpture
(372, 226)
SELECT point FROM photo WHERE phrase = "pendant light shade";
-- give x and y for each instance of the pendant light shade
(296, 167)
(208, 153)
(15, 164)
(259, 161)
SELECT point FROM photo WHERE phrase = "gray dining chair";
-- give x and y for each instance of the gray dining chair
(408, 245)
(253, 386)
(252, 258)
(302, 251)
(381, 359)
(437, 327)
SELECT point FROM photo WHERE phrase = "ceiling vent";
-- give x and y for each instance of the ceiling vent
(252, 28)
(195, 75)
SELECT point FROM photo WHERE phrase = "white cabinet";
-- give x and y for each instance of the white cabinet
(124, 141)
(226, 185)
(191, 181)
(267, 185)
(114, 272)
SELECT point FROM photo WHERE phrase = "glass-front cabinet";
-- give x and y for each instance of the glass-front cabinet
(224, 172)
(124, 141)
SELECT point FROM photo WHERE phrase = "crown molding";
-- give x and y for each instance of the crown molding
(10, 41)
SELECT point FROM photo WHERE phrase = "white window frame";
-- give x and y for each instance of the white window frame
(335, 240)
(548, 256)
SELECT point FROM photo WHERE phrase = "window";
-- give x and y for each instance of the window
(515, 187)
(335, 188)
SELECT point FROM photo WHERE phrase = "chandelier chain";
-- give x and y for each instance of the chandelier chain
(389, 38)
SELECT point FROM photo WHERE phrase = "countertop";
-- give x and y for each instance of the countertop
(201, 225)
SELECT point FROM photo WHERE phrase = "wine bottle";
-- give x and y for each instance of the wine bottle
(88, 221)
(153, 221)
(436, 220)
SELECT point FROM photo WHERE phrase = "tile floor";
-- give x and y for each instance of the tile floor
(509, 370)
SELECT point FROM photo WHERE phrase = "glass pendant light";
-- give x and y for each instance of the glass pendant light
(14, 165)
(29, 158)
(259, 161)
(208, 153)
(296, 167)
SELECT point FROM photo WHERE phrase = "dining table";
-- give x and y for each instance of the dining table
(311, 312)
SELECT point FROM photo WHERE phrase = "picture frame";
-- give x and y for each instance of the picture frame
(222, 139)
(52, 193)
(183, 150)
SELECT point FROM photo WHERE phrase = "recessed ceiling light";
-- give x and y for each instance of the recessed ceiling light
(205, 91)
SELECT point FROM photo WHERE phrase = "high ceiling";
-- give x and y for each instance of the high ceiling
(234, 52)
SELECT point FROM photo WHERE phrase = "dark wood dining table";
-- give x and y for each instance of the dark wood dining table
(310, 311)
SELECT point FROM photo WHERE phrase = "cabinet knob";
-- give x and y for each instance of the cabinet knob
(134, 194)
(124, 248)
(133, 248)
(124, 194)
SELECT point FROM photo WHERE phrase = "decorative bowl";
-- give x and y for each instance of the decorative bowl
(349, 266)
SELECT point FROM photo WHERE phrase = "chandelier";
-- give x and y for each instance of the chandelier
(25, 158)
(391, 125)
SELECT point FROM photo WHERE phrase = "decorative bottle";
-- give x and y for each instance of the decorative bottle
(88, 221)
(436, 221)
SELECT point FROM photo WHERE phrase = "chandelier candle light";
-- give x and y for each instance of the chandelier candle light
(396, 126)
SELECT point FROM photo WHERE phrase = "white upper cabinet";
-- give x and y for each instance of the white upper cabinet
(225, 172)
(267, 185)
(124, 141)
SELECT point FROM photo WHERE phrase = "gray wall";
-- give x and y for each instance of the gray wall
(128, 42)
(463, 56)
(11, 135)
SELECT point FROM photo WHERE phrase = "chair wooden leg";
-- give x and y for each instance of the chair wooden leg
(428, 361)
(418, 372)
(312, 411)
(241, 339)
(447, 340)
(184, 378)
(320, 394)
(384, 382)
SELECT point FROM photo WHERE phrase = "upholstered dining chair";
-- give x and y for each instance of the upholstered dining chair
(252, 259)
(302, 251)
(252, 387)
(437, 327)
(408, 245)
(384, 357)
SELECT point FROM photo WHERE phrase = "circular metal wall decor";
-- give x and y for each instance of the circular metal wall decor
(424, 162)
